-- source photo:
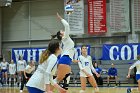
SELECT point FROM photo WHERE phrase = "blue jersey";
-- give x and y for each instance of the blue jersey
(98, 70)
(112, 72)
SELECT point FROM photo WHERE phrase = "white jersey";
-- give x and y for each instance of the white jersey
(137, 65)
(43, 75)
(67, 42)
(12, 68)
(29, 69)
(86, 64)
(4, 65)
(21, 64)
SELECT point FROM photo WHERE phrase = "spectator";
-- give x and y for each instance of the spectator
(99, 79)
(112, 74)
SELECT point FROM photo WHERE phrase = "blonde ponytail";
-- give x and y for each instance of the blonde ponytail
(44, 56)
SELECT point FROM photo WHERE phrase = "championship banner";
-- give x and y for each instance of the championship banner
(76, 18)
(135, 15)
(97, 16)
(119, 16)
(34, 53)
(120, 51)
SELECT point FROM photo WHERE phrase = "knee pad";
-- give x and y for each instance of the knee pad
(81, 91)
(66, 80)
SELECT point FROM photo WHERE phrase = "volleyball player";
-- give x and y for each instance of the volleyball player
(1, 76)
(12, 72)
(67, 44)
(137, 65)
(86, 69)
(43, 75)
(21, 64)
(4, 70)
(30, 68)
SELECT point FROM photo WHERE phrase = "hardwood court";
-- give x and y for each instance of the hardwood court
(71, 90)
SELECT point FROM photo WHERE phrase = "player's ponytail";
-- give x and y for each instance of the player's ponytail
(44, 56)
(52, 47)
(58, 35)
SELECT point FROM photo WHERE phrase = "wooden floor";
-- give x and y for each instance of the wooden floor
(71, 90)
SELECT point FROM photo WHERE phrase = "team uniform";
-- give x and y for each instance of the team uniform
(86, 64)
(4, 70)
(12, 69)
(137, 65)
(67, 46)
(43, 75)
(67, 52)
(12, 72)
(21, 64)
(4, 67)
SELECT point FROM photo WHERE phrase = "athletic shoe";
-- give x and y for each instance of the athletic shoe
(128, 90)
(21, 91)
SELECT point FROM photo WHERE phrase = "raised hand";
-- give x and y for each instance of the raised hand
(59, 17)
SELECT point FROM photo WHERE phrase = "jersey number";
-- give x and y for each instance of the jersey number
(86, 63)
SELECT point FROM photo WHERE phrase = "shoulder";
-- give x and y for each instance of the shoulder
(52, 57)
(89, 57)
(81, 57)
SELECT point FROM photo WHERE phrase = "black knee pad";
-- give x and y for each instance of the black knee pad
(64, 84)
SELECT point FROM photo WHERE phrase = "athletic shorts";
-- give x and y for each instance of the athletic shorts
(137, 77)
(65, 59)
(4, 70)
(34, 90)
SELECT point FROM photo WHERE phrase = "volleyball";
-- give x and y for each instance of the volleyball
(69, 9)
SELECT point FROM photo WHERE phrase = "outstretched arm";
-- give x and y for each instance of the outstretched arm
(66, 25)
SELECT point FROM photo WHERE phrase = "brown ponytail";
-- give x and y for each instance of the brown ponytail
(52, 48)
(44, 56)
(58, 35)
